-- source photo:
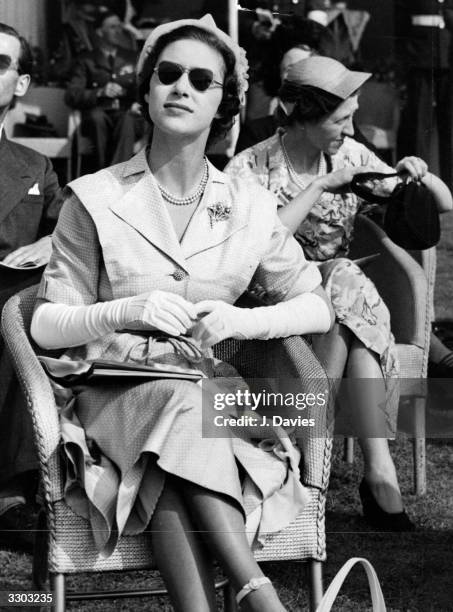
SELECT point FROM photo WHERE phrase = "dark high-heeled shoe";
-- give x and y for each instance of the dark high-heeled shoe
(379, 518)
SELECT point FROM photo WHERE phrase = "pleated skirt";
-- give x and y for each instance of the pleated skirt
(121, 441)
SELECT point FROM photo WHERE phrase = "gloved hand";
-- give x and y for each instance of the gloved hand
(303, 314)
(219, 320)
(161, 310)
(59, 325)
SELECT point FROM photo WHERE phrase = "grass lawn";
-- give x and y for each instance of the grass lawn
(415, 569)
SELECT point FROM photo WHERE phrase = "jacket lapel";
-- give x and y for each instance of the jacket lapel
(143, 209)
(15, 177)
(100, 58)
(208, 228)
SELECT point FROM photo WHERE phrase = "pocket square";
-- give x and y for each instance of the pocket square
(34, 190)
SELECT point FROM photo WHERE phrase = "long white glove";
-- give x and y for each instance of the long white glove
(61, 326)
(304, 314)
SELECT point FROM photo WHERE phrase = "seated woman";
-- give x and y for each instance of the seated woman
(149, 256)
(309, 165)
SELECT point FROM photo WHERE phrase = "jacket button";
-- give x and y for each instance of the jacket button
(179, 274)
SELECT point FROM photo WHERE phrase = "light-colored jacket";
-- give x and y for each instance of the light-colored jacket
(118, 221)
(115, 239)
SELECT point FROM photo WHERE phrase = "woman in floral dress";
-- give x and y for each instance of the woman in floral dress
(307, 165)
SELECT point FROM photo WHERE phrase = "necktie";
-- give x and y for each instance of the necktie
(111, 62)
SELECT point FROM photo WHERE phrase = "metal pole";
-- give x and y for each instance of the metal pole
(233, 19)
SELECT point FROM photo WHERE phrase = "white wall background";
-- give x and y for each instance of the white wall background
(28, 17)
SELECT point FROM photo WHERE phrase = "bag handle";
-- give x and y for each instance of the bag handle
(365, 193)
(377, 596)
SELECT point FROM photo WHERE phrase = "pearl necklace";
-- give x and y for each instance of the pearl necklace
(172, 199)
(322, 167)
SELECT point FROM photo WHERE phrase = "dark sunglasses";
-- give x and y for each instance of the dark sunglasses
(5, 63)
(201, 79)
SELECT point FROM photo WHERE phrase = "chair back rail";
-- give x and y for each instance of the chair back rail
(401, 282)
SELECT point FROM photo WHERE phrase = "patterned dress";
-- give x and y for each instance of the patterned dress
(115, 239)
(325, 236)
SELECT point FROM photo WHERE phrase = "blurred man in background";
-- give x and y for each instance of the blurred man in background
(102, 86)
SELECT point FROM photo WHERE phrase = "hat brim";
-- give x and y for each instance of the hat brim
(350, 84)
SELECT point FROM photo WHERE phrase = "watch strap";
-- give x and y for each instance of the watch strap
(253, 585)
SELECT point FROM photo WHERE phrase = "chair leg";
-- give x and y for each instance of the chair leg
(57, 582)
(419, 447)
(348, 451)
(316, 587)
(419, 466)
(40, 561)
(229, 599)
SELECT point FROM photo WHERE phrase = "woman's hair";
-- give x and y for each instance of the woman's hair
(25, 64)
(311, 103)
(229, 105)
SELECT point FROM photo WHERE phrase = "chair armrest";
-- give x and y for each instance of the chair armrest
(249, 300)
(37, 390)
(400, 280)
(427, 259)
(291, 360)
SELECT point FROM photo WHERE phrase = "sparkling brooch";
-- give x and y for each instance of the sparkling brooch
(218, 212)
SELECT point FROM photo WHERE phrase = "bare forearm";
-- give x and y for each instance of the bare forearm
(295, 211)
(440, 191)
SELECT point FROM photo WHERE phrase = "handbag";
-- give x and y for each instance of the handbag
(69, 373)
(411, 219)
(377, 597)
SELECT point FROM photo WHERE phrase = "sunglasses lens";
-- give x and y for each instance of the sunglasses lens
(5, 61)
(169, 73)
(201, 78)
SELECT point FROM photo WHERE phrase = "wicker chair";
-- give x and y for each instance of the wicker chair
(407, 288)
(64, 544)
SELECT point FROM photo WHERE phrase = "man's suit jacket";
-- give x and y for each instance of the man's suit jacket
(30, 202)
(92, 71)
(30, 198)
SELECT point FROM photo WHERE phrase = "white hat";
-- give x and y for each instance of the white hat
(205, 23)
